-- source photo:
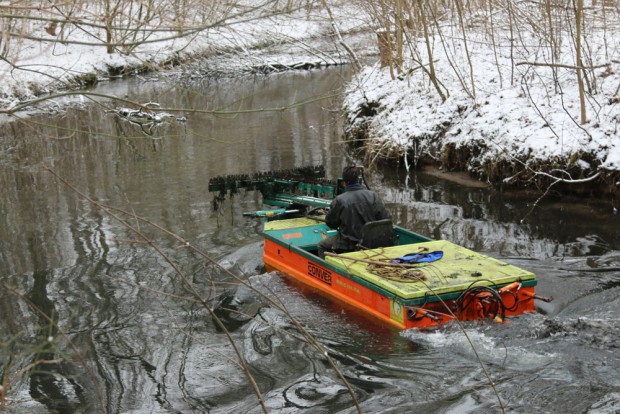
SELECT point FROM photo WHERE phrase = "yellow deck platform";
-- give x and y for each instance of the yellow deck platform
(454, 272)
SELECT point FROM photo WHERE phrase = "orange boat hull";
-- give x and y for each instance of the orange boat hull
(397, 313)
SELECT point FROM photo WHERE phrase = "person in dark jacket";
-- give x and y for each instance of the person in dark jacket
(349, 212)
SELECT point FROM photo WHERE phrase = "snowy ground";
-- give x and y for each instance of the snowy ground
(521, 125)
(517, 118)
(34, 68)
(506, 125)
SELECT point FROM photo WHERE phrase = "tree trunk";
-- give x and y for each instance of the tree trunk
(580, 68)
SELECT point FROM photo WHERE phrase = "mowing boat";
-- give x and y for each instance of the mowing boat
(398, 276)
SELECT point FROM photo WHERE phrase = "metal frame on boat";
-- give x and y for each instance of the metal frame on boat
(413, 282)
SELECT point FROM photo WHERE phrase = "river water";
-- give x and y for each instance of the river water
(97, 308)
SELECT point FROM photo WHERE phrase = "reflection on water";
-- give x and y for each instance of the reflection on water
(112, 327)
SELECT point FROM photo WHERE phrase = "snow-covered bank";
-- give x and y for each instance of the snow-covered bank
(503, 138)
(518, 124)
(34, 68)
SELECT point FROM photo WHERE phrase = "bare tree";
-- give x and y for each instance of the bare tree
(578, 46)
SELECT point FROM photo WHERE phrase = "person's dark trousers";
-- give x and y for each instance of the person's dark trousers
(335, 244)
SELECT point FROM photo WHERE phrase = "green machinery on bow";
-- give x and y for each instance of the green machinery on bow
(297, 188)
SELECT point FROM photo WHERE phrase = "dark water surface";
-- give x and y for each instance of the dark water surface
(110, 326)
